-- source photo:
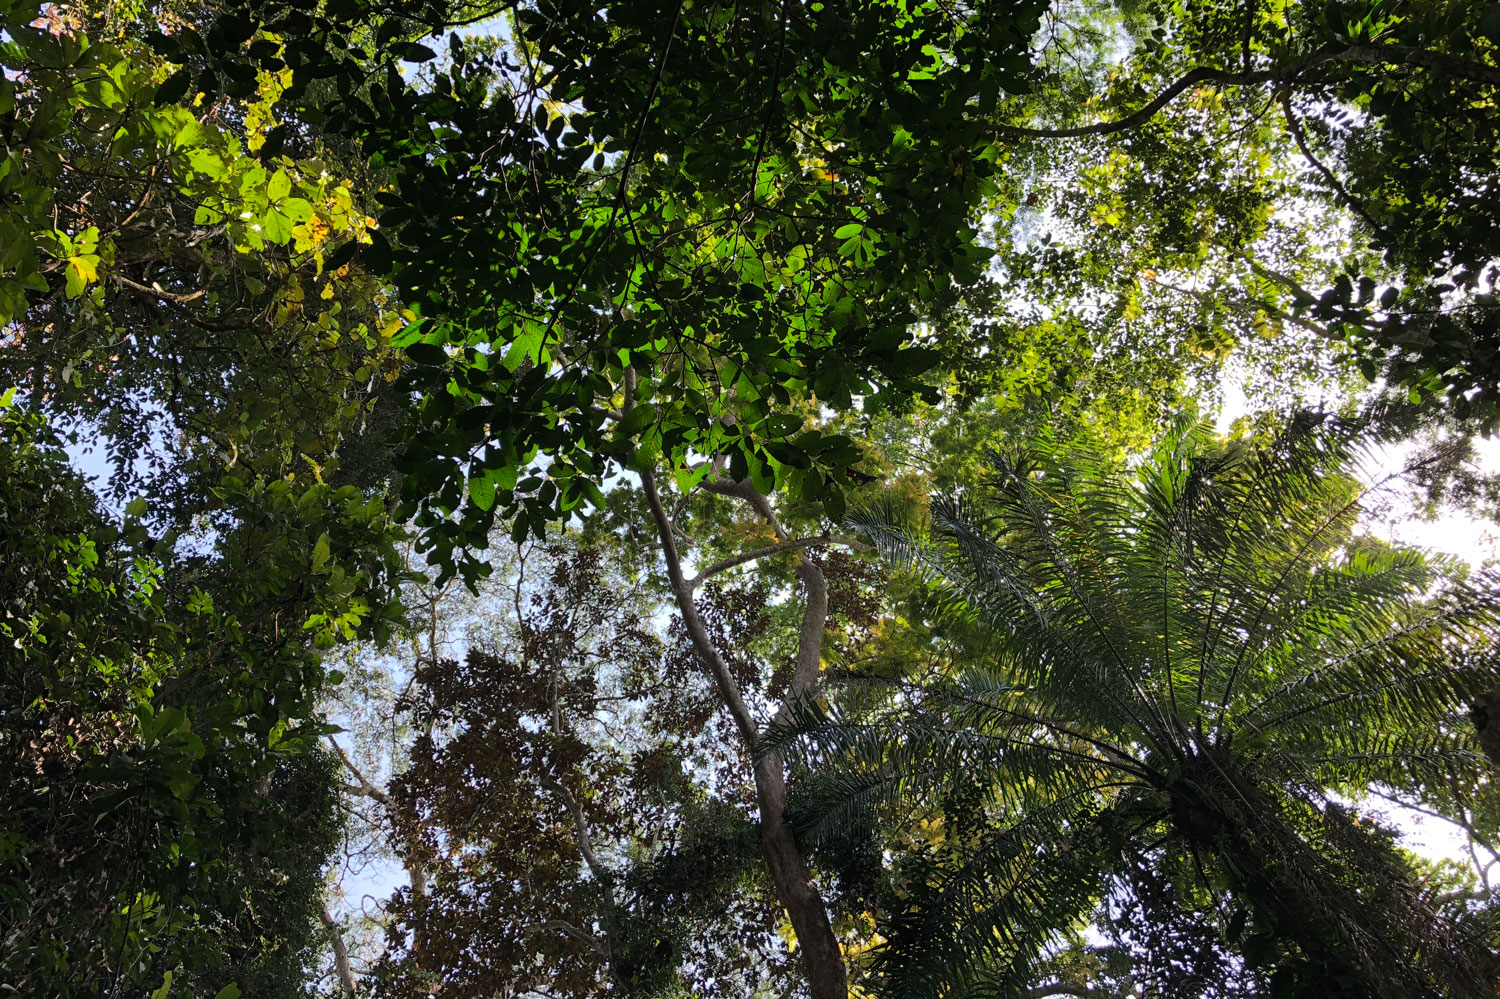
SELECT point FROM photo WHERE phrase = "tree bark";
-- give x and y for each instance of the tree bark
(1484, 712)
(822, 959)
(340, 952)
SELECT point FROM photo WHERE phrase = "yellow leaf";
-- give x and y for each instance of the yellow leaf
(80, 271)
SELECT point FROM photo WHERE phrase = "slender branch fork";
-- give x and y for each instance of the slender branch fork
(817, 541)
(822, 958)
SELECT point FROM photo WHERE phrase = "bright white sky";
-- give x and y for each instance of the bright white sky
(1477, 542)
(1455, 533)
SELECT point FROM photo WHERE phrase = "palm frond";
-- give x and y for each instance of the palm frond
(1203, 643)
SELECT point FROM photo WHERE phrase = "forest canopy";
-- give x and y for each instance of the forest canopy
(831, 498)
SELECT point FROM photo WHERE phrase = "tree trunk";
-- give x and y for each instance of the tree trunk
(822, 960)
(1485, 713)
(340, 952)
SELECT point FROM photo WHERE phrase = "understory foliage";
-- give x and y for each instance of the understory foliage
(164, 300)
(1175, 675)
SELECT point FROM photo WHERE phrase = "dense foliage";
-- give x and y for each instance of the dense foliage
(1184, 667)
(627, 306)
(161, 812)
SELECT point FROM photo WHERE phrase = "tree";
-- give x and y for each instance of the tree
(162, 814)
(581, 268)
(565, 208)
(164, 289)
(1277, 180)
(162, 286)
(581, 820)
(1187, 665)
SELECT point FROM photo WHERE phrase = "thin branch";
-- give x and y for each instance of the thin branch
(1438, 62)
(1290, 72)
(416, 871)
(1300, 137)
(365, 788)
(158, 291)
(1202, 74)
(729, 691)
(1064, 989)
(765, 128)
(816, 541)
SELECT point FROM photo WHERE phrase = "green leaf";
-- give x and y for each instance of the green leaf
(136, 507)
(638, 419)
(833, 503)
(79, 272)
(173, 88)
(783, 425)
(320, 552)
(430, 354)
(230, 991)
(279, 187)
(592, 492)
(525, 347)
(297, 209)
(482, 491)
(278, 227)
(166, 986)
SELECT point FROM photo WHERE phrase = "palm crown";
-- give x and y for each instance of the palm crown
(1186, 665)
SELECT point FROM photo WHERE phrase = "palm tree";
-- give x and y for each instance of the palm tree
(1189, 668)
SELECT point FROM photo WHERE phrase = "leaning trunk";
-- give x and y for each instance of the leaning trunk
(1485, 713)
(1350, 906)
(822, 961)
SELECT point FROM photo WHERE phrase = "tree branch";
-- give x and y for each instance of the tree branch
(340, 951)
(158, 291)
(1064, 989)
(815, 541)
(1202, 74)
(1300, 137)
(1438, 62)
(569, 929)
(365, 787)
(729, 691)
(1360, 54)
(804, 681)
(581, 828)
(602, 874)
(416, 871)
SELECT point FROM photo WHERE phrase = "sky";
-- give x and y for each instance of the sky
(1478, 543)
(1454, 532)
